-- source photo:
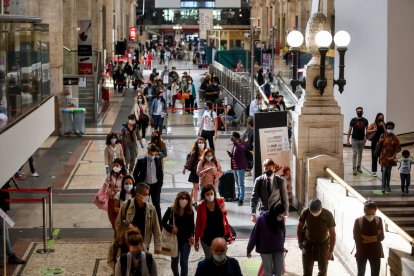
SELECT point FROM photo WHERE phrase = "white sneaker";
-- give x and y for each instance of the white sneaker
(35, 174)
(374, 174)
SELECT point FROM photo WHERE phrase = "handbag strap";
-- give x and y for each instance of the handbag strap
(173, 215)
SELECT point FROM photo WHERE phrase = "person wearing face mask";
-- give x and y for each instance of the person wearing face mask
(268, 236)
(136, 261)
(112, 151)
(219, 263)
(208, 128)
(368, 234)
(113, 184)
(189, 103)
(191, 164)
(141, 113)
(209, 169)
(148, 169)
(175, 87)
(138, 212)
(159, 112)
(270, 189)
(316, 237)
(210, 221)
(388, 156)
(374, 132)
(238, 162)
(150, 92)
(358, 127)
(131, 137)
(126, 193)
(157, 140)
(183, 226)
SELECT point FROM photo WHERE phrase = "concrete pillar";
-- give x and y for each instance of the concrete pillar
(70, 37)
(317, 126)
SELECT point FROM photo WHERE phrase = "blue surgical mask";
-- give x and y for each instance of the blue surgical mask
(209, 158)
(219, 258)
(151, 157)
(128, 187)
(136, 256)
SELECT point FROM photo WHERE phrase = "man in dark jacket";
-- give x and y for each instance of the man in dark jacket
(269, 188)
(148, 169)
(238, 163)
(219, 263)
(5, 206)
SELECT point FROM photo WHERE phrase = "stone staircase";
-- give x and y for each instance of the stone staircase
(87, 99)
(398, 208)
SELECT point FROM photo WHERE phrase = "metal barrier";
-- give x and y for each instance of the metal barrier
(388, 222)
(47, 202)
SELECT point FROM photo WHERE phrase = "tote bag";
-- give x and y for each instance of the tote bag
(169, 242)
(101, 199)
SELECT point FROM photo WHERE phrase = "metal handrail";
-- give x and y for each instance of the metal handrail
(262, 93)
(388, 222)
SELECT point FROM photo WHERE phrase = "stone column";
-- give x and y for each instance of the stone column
(70, 37)
(317, 125)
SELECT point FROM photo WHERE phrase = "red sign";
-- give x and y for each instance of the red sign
(85, 68)
(132, 34)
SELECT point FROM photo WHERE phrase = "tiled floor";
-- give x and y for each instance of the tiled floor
(74, 168)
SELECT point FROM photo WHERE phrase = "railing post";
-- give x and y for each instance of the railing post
(4, 248)
(45, 250)
(50, 212)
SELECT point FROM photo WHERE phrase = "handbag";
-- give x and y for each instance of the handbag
(231, 235)
(169, 242)
(370, 136)
(186, 95)
(101, 199)
(179, 95)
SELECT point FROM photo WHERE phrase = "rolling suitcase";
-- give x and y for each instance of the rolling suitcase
(226, 186)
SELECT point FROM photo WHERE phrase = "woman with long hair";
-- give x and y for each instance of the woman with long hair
(209, 169)
(268, 236)
(211, 220)
(157, 140)
(127, 192)
(141, 113)
(191, 165)
(112, 151)
(376, 129)
(113, 184)
(179, 220)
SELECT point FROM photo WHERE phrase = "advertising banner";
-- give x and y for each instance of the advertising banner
(266, 61)
(85, 47)
(206, 22)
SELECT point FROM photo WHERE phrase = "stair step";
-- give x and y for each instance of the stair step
(403, 221)
(398, 211)
(409, 230)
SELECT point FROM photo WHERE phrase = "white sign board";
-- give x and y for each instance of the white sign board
(274, 144)
(167, 3)
(206, 22)
(228, 4)
(6, 218)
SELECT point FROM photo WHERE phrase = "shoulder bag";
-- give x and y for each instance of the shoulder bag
(169, 242)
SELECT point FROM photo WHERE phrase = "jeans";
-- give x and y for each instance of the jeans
(273, 264)
(158, 122)
(207, 250)
(31, 165)
(155, 194)
(131, 152)
(375, 264)
(239, 176)
(9, 249)
(208, 135)
(386, 176)
(405, 181)
(183, 254)
(189, 104)
(357, 148)
(374, 159)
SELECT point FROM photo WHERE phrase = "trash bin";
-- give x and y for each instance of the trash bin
(79, 120)
(67, 119)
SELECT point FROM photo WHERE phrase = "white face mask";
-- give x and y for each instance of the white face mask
(116, 169)
(219, 258)
(201, 146)
(317, 213)
(128, 187)
(279, 218)
(210, 198)
(183, 203)
(389, 130)
(140, 100)
(370, 217)
(113, 140)
(131, 122)
(145, 198)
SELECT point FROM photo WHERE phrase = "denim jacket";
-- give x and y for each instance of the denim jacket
(154, 106)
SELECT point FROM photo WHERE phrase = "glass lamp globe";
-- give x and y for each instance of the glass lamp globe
(342, 39)
(295, 39)
(323, 39)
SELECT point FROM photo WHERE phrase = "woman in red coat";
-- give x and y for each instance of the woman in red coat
(211, 220)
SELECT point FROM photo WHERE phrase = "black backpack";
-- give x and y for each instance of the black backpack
(124, 262)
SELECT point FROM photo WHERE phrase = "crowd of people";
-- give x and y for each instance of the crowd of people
(200, 217)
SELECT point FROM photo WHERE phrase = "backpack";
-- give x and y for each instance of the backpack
(124, 262)
(377, 221)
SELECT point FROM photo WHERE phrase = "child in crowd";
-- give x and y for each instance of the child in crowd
(405, 168)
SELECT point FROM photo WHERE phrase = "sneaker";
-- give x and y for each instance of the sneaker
(374, 174)
(15, 260)
(389, 189)
(359, 169)
(240, 203)
(19, 175)
(355, 173)
(35, 174)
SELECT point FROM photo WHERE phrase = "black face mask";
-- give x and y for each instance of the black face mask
(359, 114)
(269, 173)
(380, 120)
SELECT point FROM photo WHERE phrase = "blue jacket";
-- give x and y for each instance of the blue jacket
(154, 106)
